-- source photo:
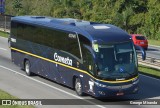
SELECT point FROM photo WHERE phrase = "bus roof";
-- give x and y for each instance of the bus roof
(102, 33)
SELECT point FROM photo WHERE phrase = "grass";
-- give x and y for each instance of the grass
(149, 71)
(4, 34)
(154, 42)
(4, 95)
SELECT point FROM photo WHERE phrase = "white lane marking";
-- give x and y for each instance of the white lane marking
(52, 86)
(3, 49)
(150, 77)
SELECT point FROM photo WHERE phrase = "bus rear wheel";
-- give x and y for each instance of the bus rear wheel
(27, 68)
(78, 87)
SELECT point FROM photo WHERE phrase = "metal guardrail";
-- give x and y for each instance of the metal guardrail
(5, 30)
(150, 61)
(5, 23)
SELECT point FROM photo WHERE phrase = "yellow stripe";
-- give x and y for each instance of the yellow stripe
(72, 67)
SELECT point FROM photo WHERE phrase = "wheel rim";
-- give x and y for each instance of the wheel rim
(78, 87)
(27, 68)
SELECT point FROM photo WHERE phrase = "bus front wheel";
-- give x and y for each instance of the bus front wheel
(78, 87)
(27, 68)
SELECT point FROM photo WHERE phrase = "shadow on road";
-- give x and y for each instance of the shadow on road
(151, 49)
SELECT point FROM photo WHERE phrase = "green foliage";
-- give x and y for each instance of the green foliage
(134, 16)
(4, 95)
(149, 71)
(4, 34)
(154, 42)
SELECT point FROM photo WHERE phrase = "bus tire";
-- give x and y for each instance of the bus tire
(78, 87)
(27, 68)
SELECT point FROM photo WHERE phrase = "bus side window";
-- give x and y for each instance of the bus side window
(88, 62)
(14, 29)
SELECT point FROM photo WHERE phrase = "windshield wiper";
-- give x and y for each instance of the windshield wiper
(115, 55)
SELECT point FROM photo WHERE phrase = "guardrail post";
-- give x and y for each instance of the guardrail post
(5, 23)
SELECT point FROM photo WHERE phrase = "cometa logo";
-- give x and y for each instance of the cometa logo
(61, 59)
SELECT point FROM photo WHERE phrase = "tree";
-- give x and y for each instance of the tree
(17, 5)
(134, 16)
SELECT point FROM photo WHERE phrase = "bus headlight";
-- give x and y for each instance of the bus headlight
(101, 92)
(100, 85)
(135, 90)
(136, 82)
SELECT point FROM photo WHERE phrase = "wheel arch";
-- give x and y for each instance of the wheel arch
(74, 80)
(24, 61)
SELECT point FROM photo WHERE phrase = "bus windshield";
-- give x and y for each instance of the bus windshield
(116, 61)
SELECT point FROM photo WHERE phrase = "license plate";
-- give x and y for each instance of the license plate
(141, 42)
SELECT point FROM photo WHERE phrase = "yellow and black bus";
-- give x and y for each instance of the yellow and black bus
(94, 58)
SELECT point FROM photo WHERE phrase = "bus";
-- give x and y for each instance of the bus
(93, 58)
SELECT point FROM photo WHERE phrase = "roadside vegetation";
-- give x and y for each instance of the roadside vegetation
(4, 34)
(4, 95)
(134, 16)
(149, 71)
(154, 42)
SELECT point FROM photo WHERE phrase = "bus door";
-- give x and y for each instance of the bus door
(89, 66)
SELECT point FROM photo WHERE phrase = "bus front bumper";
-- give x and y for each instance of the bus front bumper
(116, 90)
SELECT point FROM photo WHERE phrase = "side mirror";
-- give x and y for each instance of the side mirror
(143, 52)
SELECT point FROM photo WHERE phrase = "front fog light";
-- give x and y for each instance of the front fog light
(100, 85)
(135, 90)
(101, 92)
(136, 82)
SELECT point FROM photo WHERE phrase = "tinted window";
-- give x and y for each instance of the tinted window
(13, 29)
(20, 30)
(89, 63)
(59, 39)
(83, 40)
(45, 36)
(42, 36)
(140, 38)
(72, 46)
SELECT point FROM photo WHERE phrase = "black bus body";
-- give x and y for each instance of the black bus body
(96, 59)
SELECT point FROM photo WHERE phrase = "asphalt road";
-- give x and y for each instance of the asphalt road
(14, 81)
(153, 52)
